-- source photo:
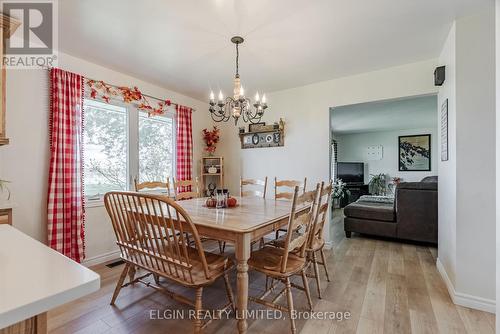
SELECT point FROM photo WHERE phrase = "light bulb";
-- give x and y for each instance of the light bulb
(212, 97)
(221, 97)
(242, 91)
(257, 97)
(264, 98)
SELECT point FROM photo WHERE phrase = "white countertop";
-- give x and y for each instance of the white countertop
(35, 278)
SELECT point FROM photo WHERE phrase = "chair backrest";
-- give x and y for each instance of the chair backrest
(299, 225)
(321, 213)
(153, 185)
(185, 189)
(288, 184)
(253, 192)
(151, 233)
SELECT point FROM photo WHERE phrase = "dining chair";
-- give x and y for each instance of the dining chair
(152, 185)
(291, 184)
(139, 222)
(179, 185)
(255, 183)
(281, 264)
(287, 195)
(316, 242)
(247, 193)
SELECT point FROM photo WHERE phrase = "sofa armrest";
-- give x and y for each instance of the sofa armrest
(417, 212)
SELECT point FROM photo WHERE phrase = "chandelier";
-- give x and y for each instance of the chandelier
(237, 105)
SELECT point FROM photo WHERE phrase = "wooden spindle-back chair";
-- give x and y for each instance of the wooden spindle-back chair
(152, 186)
(151, 234)
(316, 242)
(281, 263)
(253, 192)
(180, 187)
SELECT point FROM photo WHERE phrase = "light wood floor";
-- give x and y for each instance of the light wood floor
(387, 286)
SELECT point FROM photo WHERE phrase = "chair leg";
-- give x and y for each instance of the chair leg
(306, 287)
(324, 264)
(222, 246)
(198, 309)
(131, 273)
(120, 283)
(261, 243)
(157, 279)
(277, 234)
(290, 304)
(316, 273)
(229, 291)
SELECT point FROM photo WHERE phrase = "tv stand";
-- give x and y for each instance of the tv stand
(356, 190)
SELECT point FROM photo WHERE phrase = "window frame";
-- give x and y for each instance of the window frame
(132, 137)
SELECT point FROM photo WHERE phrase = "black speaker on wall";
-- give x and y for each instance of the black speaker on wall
(439, 75)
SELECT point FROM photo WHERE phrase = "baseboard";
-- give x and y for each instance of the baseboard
(463, 299)
(92, 261)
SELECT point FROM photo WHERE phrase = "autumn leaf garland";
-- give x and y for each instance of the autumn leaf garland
(104, 91)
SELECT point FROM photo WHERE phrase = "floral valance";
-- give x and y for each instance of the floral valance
(99, 90)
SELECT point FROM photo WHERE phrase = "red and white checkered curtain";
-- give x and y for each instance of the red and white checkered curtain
(184, 145)
(65, 201)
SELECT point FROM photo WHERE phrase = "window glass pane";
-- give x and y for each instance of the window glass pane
(105, 155)
(156, 148)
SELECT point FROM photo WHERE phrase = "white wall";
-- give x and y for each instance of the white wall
(352, 148)
(306, 113)
(497, 83)
(467, 226)
(447, 171)
(475, 61)
(25, 160)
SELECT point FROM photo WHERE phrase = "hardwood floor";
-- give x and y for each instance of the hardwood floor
(387, 286)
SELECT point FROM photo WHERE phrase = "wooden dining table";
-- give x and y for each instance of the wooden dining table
(250, 220)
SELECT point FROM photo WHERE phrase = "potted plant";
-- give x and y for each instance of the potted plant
(4, 190)
(378, 184)
(211, 139)
(339, 191)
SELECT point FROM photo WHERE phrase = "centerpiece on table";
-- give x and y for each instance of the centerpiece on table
(211, 139)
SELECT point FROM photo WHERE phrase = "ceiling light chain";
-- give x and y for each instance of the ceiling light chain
(238, 105)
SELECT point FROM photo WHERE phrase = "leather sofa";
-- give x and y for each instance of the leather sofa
(413, 215)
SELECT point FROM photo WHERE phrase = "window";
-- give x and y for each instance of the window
(156, 148)
(105, 143)
(123, 143)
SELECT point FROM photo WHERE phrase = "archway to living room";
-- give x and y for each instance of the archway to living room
(380, 152)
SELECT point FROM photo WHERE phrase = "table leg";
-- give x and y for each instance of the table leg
(243, 248)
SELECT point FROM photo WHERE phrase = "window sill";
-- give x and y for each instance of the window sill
(94, 203)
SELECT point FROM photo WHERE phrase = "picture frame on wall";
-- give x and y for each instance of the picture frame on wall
(414, 153)
(444, 131)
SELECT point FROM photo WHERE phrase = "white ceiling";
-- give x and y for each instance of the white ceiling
(408, 113)
(184, 45)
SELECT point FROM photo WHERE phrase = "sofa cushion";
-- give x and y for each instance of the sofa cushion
(430, 179)
(418, 186)
(370, 210)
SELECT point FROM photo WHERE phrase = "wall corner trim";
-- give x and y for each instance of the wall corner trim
(463, 299)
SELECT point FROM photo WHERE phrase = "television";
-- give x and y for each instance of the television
(351, 172)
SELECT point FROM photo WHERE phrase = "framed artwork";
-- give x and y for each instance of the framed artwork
(415, 153)
(444, 131)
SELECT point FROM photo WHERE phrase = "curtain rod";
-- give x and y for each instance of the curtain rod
(116, 86)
